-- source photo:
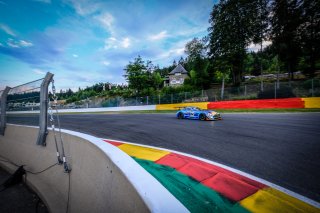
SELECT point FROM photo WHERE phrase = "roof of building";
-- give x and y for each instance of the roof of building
(178, 69)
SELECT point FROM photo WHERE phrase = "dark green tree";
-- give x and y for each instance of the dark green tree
(231, 32)
(285, 21)
(194, 49)
(197, 63)
(309, 31)
(136, 74)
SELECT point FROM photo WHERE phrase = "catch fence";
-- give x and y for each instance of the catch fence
(269, 90)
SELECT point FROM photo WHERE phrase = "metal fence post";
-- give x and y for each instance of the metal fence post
(275, 90)
(245, 91)
(43, 118)
(171, 98)
(159, 99)
(312, 88)
(147, 100)
(3, 118)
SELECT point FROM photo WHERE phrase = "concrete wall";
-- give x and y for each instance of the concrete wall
(103, 178)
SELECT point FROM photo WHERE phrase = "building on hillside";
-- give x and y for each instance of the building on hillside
(176, 77)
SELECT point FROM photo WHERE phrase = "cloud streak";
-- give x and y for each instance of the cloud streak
(7, 30)
(158, 36)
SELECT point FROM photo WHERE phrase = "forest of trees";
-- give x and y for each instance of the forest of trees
(290, 27)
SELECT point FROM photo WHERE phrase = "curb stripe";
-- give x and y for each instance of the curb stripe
(196, 197)
(313, 204)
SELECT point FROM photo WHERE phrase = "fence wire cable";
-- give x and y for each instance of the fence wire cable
(55, 105)
(51, 119)
(4, 159)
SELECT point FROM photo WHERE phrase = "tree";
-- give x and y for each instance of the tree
(285, 21)
(230, 33)
(136, 74)
(143, 77)
(181, 61)
(309, 31)
(252, 64)
(194, 49)
(260, 27)
(157, 80)
(200, 66)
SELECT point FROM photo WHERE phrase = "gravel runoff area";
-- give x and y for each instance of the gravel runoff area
(282, 148)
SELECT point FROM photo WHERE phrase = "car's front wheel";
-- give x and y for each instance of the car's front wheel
(180, 115)
(202, 117)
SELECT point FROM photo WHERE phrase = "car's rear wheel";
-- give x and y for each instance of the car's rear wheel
(202, 117)
(180, 115)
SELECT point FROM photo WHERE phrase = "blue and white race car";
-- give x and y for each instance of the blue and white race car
(198, 114)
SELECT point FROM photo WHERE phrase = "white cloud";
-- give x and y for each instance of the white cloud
(7, 30)
(25, 43)
(125, 43)
(172, 53)
(113, 43)
(159, 36)
(110, 43)
(75, 55)
(18, 44)
(44, 1)
(85, 7)
(105, 63)
(12, 43)
(256, 47)
(106, 19)
(39, 72)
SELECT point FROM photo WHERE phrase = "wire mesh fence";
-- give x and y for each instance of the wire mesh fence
(268, 90)
(24, 97)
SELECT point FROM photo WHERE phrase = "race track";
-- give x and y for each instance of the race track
(281, 148)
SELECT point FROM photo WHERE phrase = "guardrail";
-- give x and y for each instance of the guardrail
(3, 104)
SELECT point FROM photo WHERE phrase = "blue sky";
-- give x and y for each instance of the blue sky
(84, 42)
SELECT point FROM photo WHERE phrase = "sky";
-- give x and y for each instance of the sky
(83, 42)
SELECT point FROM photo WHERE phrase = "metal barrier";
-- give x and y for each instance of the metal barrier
(24, 97)
(43, 118)
(3, 104)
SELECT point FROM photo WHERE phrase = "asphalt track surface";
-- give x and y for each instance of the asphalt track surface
(283, 148)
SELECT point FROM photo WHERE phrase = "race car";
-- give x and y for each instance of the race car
(198, 114)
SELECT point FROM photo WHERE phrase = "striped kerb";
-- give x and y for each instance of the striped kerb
(203, 187)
